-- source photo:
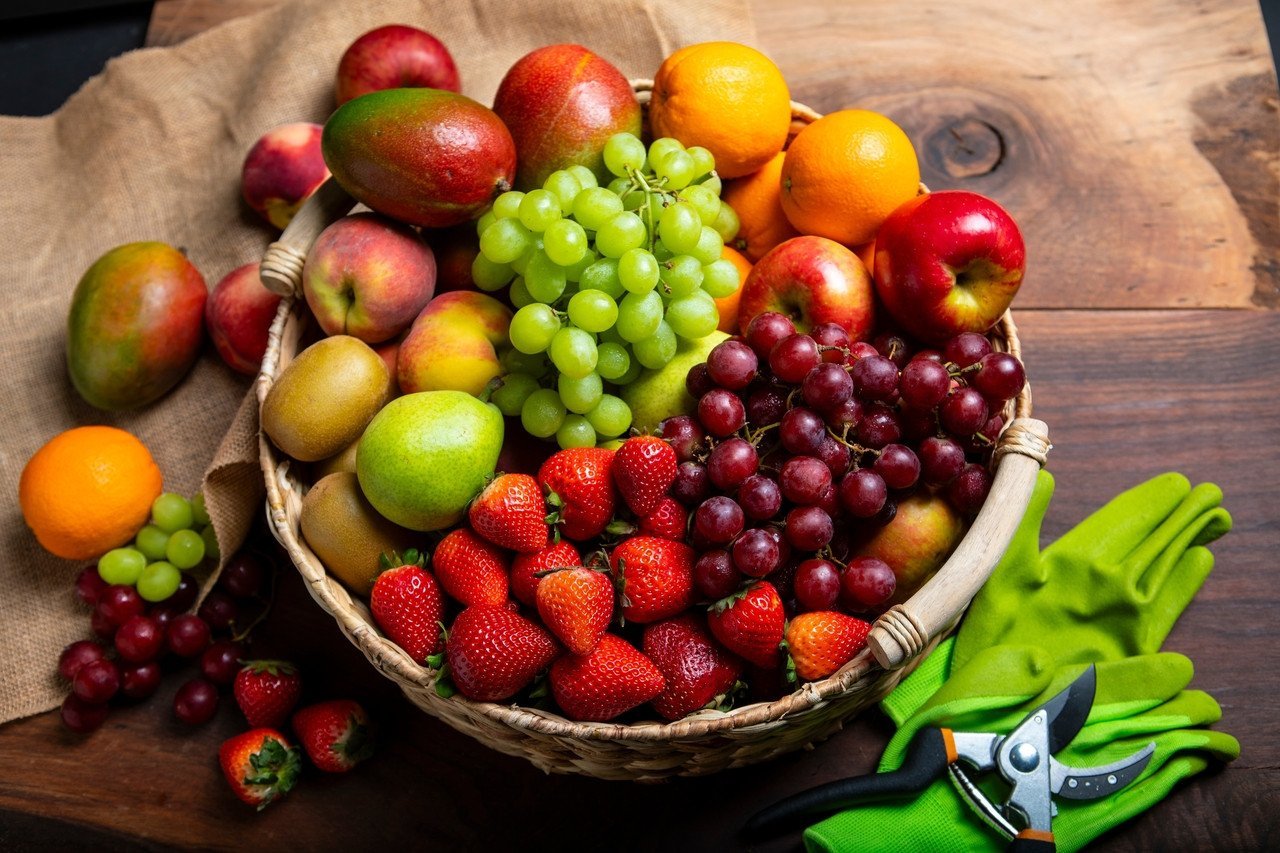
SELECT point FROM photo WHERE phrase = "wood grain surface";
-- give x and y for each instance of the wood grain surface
(1139, 145)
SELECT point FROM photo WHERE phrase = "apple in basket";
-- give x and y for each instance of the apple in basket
(238, 316)
(282, 170)
(919, 539)
(393, 56)
(810, 280)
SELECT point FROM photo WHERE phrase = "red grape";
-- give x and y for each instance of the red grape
(844, 416)
(219, 610)
(759, 497)
(928, 355)
(827, 386)
(1000, 376)
(817, 585)
(875, 378)
(77, 655)
(803, 479)
(719, 519)
(765, 330)
(964, 412)
(90, 585)
(97, 681)
(808, 528)
(684, 434)
(887, 512)
(731, 462)
(162, 615)
(732, 364)
(784, 547)
(793, 357)
(924, 384)
(916, 426)
(101, 625)
(188, 635)
(867, 582)
(118, 604)
(966, 349)
(879, 426)
(859, 350)
(139, 640)
(691, 485)
(765, 406)
(893, 347)
(863, 493)
(721, 412)
(196, 702)
(82, 717)
(715, 576)
(756, 553)
(829, 502)
(698, 381)
(140, 680)
(835, 456)
(244, 573)
(184, 596)
(898, 466)
(833, 338)
(221, 661)
(802, 431)
(969, 489)
(940, 460)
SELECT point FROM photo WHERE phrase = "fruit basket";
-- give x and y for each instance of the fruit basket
(707, 741)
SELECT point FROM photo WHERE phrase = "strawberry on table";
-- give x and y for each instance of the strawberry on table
(579, 486)
(525, 569)
(644, 467)
(822, 641)
(408, 605)
(698, 671)
(577, 606)
(511, 512)
(260, 766)
(750, 623)
(266, 691)
(470, 569)
(494, 653)
(655, 576)
(669, 520)
(611, 680)
(336, 734)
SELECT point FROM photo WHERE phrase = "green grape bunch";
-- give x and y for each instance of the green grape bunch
(605, 281)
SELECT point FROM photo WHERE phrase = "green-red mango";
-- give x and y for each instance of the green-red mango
(424, 156)
(135, 326)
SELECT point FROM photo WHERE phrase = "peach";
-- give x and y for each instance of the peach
(453, 345)
(238, 316)
(915, 544)
(282, 170)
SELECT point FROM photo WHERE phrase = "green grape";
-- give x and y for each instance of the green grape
(661, 252)
(634, 200)
(483, 223)
(199, 512)
(211, 549)
(185, 549)
(638, 271)
(622, 152)
(726, 223)
(519, 293)
(710, 246)
(680, 227)
(602, 275)
(122, 566)
(509, 397)
(576, 431)
(580, 395)
(682, 275)
(152, 541)
(171, 512)
(657, 349)
(564, 187)
(565, 241)
(624, 231)
(713, 183)
(542, 413)
(612, 360)
(574, 272)
(639, 316)
(703, 160)
(586, 178)
(505, 241)
(720, 278)
(159, 580)
(610, 417)
(661, 147)
(514, 361)
(633, 373)
(619, 186)
(692, 317)
(544, 278)
(677, 167)
(595, 206)
(507, 205)
(703, 200)
(533, 328)
(573, 352)
(488, 275)
(592, 310)
(611, 336)
(538, 209)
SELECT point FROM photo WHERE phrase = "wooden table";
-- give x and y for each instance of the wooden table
(1138, 144)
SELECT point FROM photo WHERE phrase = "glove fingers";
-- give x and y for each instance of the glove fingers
(1128, 519)
(1023, 553)
(1197, 521)
(1153, 570)
(1132, 685)
(1113, 739)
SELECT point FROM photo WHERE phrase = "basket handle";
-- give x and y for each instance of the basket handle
(906, 629)
(281, 267)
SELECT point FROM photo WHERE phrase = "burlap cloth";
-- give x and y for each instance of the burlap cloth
(151, 149)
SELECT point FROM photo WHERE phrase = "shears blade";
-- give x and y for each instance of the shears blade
(1073, 783)
(1066, 713)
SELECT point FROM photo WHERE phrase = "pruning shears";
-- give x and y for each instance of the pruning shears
(1024, 757)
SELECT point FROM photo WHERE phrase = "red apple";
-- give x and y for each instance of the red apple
(948, 262)
(394, 56)
(454, 344)
(368, 276)
(915, 544)
(282, 170)
(562, 103)
(811, 280)
(238, 315)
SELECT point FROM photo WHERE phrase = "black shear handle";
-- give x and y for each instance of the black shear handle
(926, 760)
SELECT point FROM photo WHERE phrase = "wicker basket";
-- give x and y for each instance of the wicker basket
(707, 741)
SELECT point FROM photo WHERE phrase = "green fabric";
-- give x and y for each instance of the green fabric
(1108, 592)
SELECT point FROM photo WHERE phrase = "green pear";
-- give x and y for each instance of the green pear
(658, 394)
(425, 456)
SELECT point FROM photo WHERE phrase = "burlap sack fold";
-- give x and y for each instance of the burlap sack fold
(151, 149)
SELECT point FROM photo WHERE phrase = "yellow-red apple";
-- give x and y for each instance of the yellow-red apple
(238, 315)
(454, 343)
(282, 170)
(915, 544)
(393, 56)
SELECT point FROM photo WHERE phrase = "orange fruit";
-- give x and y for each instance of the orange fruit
(728, 305)
(88, 490)
(729, 98)
(845, 173)
(757, 199)
(867, 254)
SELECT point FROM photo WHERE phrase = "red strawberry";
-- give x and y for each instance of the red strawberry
(260, 765)
(524, 569)
(493, 653)
(408, 605)
(696, 668)
(470, 569)
(266, 691)
(644, 467)
(667, 521)
(822, 641)
(610, 681)
(750, 623)
(656, 577)
(336, 734)
(577, 606)
(511, 512)
(580, 488)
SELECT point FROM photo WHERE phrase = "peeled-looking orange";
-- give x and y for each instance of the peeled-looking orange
(757, 199)
(728, 305)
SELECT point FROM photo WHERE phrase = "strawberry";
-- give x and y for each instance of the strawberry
(260, 765)
(580, 488)
(266, 691)
(698, 670)
(611, 680)
(655, 576)
(644, 467)
(750, 623)
(525, 568)
(335, 734)
(493, 653)
(408, 605)
(511, 513)
(667, 521)
(822, 641)
(470, 569)
(577, 606)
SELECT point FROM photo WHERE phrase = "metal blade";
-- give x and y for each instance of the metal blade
(1090, 783)
(1067, 711)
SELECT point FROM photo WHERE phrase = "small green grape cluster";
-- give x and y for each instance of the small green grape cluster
(178, 538)
(605, 281)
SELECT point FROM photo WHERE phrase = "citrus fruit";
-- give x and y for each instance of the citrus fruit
(726, 97)
(728, 305)
(757, 199)
(88, 490)
(845, 173)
